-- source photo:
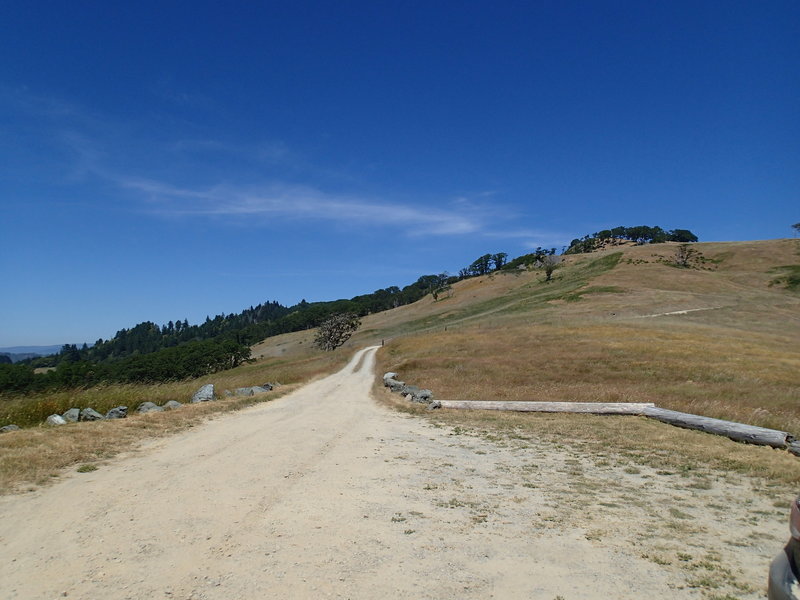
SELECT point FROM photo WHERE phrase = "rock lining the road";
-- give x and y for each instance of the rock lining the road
(204, 394)
(412, 393)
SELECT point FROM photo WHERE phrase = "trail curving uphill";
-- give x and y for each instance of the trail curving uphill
(326, 494)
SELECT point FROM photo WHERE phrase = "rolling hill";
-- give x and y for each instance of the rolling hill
(623, 324)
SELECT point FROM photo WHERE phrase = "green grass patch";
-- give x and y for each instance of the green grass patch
(531, 296)
(594, 289)
(788, 277)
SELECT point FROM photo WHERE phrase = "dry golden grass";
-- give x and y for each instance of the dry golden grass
(36, 455)
(686, 368)
(636, 439)
(739, 361)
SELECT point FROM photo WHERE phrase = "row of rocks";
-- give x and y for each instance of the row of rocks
(75, 415)
(410, 392)
(204, 394)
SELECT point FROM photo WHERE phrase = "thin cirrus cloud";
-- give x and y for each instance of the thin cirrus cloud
(269, 151)
(293, 202)
(91, 146)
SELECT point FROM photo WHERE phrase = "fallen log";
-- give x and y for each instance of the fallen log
(749, 434)
(794, 447)
(595, 408)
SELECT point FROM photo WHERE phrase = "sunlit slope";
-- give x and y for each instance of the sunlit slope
(729, 288)
(599, 332)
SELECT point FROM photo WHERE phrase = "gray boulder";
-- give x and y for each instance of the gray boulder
(119, 412)
(89, 414)
(394, 385)
(423, 396)
(55, 420)
(434, 405)
(72, 415)
(204, 394)
(148, 407)
(251, 391)
(171, 405)
(8, 428)
(411, 390)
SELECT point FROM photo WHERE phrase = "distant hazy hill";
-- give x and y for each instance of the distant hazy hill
(18, 353)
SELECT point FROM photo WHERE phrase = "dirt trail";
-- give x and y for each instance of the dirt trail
(326, 494)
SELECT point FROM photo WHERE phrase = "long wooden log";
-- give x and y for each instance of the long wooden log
(596, 408)
(749, 434)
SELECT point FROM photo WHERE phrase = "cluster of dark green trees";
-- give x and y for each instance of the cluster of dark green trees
(534, 259)
(149, 337)
(490, 263)
(189, 360)
(248, 327)
(484, 265)
(641, 234)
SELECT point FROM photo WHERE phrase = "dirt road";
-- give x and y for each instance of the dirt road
(326, 494)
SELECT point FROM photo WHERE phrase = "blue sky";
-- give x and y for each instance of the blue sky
(166, 160)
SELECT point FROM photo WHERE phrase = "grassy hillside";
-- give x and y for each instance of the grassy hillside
(603, 331)
(600, 331)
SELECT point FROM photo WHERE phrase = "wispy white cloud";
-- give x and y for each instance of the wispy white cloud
(530, 238)
(460, 216)
(95, 146)
(21, 99)
(85, 152)
(266, 151)
(293, 202)
(513, 233)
